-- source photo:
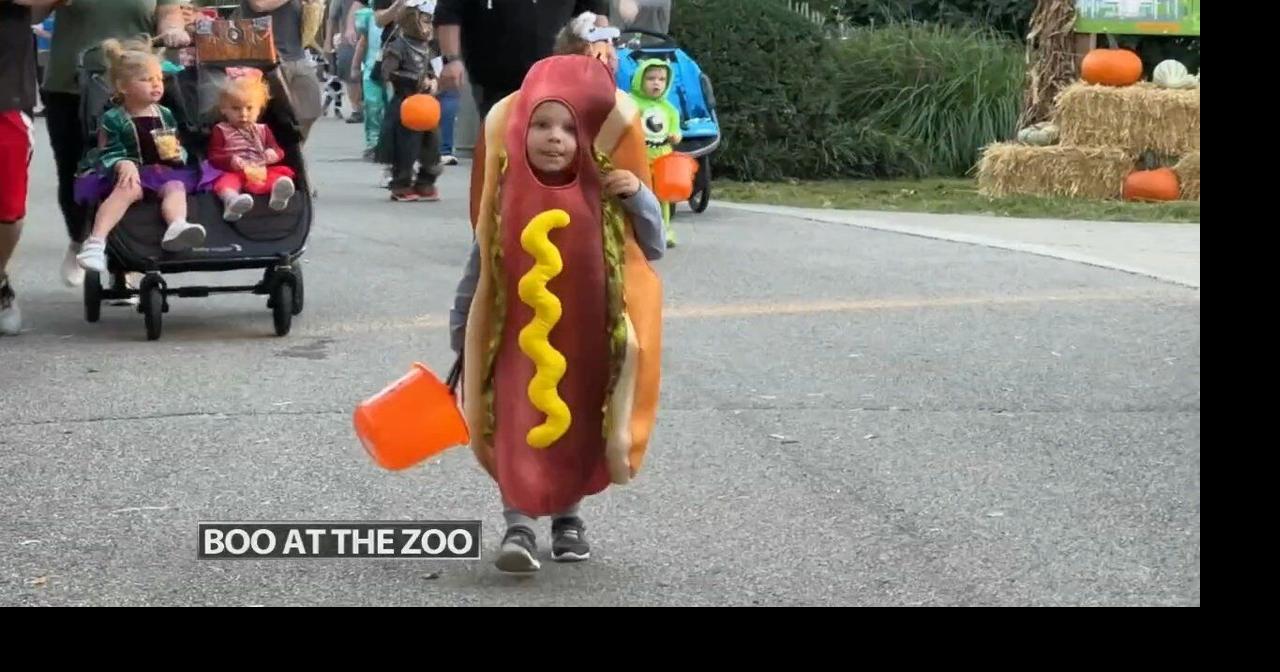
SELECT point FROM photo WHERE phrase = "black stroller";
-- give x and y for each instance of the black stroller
(262, 239)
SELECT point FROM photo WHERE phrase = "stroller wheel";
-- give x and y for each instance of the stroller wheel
(282, 306)
(702, 194)
(152, 306)
(297, 289)
(92, 297)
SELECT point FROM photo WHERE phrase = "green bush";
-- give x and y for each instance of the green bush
(950, 90)
(898, 101)
(779, 117)
(1010, 17)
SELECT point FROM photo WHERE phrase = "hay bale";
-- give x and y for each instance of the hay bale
(1136, 118)
(1009, 169)
(1188, 170)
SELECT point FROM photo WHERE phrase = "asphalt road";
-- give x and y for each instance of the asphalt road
(849, 417)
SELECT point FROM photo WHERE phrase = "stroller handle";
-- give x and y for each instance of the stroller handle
(666, 39)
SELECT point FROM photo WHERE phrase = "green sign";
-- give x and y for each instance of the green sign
(1138, 17)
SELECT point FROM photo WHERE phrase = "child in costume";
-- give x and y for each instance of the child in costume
(246, 150)
(368, 51)
(406, 66)
(138, 150)
(661, 119)
(559, 292)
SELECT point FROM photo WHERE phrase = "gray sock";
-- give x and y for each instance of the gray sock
(571, 512)
(514, 518)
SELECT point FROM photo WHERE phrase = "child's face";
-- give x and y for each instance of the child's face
(424, 25)
(240, 110)
(552, 143)
(143, 87)
(655, 81)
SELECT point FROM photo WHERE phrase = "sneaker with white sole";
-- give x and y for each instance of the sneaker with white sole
(518, 548)
(93, 255)
(182, 236)
(131, 281)
(10, 316)
(236, 207)
(281, 192)
(569, 541)
(448, 160)
(72, 272)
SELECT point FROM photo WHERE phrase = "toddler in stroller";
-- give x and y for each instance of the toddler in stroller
(239, 232)
(688, 89)
(138, 150)
(246, 150)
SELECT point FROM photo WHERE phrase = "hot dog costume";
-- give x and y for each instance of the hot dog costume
(592, 286)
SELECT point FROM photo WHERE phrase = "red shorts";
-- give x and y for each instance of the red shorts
(236, 181)
(15, 165)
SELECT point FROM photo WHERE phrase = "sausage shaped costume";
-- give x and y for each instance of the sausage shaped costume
(609, 328)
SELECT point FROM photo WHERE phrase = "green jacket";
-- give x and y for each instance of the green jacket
(120, 137)
(659, 117)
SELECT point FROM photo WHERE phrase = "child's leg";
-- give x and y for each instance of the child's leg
(180, 234)
(282, 187)
(235, 204)
(375, 104)
(428, 166)
(405, 145)
(93, 253)
(667, 209)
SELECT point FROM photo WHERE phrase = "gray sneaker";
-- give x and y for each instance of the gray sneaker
(569, 541)
(517, 553)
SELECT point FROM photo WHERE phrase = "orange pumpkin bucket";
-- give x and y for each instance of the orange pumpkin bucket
(420, 112)
(410, 420)
(673, 177)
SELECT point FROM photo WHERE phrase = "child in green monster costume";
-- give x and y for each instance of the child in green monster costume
(659, 118)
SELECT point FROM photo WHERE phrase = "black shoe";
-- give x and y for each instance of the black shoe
(356, 117)
(568, 540)
(518, 548)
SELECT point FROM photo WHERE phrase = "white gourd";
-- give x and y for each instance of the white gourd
(1171, 74)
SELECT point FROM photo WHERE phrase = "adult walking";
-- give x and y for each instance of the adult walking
(83, 24)
(651, 15)
(298, 71)
(495, 43)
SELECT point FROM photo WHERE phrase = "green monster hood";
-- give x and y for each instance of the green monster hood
(637, 79)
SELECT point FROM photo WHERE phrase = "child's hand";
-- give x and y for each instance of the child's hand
(127, 174)
(430, 85)
(237, 164)
(271, 156)
(621, 184)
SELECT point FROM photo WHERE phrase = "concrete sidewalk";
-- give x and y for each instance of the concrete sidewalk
(1169, 252)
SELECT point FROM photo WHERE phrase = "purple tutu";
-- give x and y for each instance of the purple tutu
(94, 187)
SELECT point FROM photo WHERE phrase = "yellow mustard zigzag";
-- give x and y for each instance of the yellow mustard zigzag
(534, 342)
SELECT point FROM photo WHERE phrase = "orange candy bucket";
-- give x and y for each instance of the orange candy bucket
(673, 177)
(410, 420)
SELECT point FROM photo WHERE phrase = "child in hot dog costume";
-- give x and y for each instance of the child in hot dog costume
(559, 313)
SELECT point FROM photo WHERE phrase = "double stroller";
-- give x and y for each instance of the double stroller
(265, 239)
(691, 93)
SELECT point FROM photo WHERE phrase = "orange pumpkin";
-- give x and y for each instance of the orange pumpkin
(420, 112)
(1112, 67)
(1159, 184)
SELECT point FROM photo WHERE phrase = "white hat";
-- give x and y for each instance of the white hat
(424, 6)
